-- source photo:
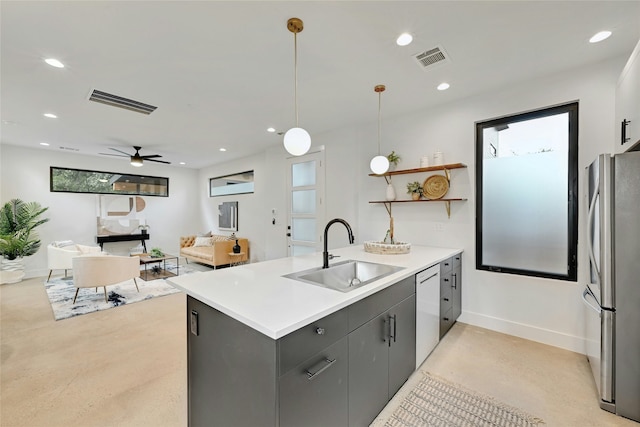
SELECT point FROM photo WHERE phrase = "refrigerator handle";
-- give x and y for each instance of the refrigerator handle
(586, 292)
(592, 256)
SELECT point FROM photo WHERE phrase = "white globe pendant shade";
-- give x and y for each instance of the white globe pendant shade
(379, 165)
(297, 141)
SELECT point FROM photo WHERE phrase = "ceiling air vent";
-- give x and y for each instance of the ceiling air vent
(431, 57)
(120, 102)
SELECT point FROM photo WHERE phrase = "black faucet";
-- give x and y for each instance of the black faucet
(325, 253)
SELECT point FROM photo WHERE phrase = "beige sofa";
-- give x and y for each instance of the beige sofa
(213, 251)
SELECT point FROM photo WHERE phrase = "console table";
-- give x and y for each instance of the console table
(101, 240)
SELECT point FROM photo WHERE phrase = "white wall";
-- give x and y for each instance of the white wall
(24, 175)
(549, 311)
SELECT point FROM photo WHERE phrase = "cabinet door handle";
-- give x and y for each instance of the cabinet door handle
(395, 324)
(424, 280)
(320, 331)
(327, 363)
(446, 299)
(455, 281)
(623, 131)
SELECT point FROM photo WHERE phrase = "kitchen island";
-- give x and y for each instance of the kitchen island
(268, 350)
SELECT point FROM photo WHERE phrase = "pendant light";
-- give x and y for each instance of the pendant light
(297, 141)
(379, 164)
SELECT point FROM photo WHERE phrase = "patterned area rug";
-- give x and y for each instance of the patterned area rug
(62, 290)
(437, 402)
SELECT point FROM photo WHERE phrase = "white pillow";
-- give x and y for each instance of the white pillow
(206, 234)
(63, 243)
(219, 238)
(202, 241)
(89, 249)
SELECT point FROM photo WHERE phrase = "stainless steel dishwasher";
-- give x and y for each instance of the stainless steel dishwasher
(427, 312)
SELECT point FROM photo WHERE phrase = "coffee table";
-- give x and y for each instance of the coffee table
(158, 271)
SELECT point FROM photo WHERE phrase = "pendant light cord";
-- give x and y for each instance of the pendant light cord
(379, 118)
(295, 73)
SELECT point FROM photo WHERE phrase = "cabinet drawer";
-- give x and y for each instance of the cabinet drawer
(321, 400)
(457, 261)
(446, 283)
(446, 302)
(307, 341)
(365, 310)
(446, 266)
(446, 322)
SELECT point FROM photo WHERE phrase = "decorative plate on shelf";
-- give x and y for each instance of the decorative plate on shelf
(435, 187)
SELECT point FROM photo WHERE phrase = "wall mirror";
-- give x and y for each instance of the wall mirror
(239, 183)
(67, 180)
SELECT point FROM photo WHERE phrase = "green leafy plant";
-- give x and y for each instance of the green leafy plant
(156, 253)
(414, 187)
(18, 220)
(393, 158)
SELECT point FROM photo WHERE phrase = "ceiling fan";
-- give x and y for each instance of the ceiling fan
(136, 159)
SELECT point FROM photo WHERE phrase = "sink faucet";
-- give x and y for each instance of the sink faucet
(325, 253)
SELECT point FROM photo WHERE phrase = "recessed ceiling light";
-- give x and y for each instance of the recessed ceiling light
(602, 35)
(443, 86)
(46, 144)
(223, 149)
(271, 130)
(51, 116)
(54, 62)
(404, 39)
(182, 163)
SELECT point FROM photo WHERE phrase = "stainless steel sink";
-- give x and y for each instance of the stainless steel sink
(345, 276)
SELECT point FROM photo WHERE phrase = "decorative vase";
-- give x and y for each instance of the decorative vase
(12, 270)
(236, 248)
(415, 196)
(391, 192)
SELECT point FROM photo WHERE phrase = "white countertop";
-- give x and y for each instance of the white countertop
(258, 296)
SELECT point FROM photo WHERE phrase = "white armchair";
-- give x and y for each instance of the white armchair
(94, 271)
(59, 257)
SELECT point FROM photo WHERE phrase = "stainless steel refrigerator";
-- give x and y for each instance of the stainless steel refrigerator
(612, 296)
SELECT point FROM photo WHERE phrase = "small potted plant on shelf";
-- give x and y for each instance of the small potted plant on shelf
(144, 228)
(393, 159)
(415, 189)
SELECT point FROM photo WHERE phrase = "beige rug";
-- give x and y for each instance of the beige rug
(437, 402)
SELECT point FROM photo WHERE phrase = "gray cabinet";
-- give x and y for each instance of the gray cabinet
(381, 352)
(315, 392)
(450, 292)
(340, 370)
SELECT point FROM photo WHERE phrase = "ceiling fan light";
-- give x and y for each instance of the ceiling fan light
(379, 165)
(137, 162)
(297, 141)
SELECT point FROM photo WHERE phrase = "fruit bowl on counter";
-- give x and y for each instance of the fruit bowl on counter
(387, 248)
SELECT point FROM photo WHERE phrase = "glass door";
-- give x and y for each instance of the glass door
(305, 185)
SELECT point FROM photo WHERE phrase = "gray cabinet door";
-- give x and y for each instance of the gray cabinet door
(456, 295)
(402, 352)
(368, 370)
(314, 393)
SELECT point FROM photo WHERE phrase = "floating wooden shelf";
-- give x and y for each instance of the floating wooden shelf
(418, 170)
(447, 204)
(446, 168)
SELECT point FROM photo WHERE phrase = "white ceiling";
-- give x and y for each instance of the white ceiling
(221, 73)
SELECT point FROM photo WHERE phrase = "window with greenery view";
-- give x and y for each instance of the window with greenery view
(526, 193)
(87, 181)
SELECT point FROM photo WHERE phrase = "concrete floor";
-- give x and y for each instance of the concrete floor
(127, 367)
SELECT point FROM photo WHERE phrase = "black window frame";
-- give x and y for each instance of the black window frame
(572, 108)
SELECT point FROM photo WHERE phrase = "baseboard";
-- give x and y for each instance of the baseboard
(529, 332)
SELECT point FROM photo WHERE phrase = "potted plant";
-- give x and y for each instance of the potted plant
(156, 253)
(144, 228)
(393, 159)
(18, 239)
(415, 189)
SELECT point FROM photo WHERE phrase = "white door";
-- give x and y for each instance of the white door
(305, 188)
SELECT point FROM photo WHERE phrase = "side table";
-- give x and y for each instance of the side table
(236, 259)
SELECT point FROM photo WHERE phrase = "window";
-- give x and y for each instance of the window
(239, 183)
(526, 193)
(86, 181)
